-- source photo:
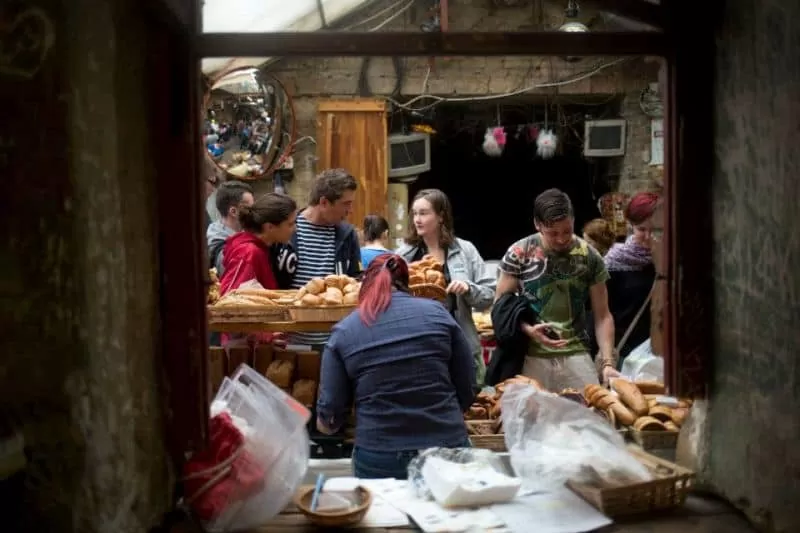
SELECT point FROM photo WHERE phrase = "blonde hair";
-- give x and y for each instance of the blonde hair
(597, 232)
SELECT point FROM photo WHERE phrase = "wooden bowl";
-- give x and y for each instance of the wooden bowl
(350, 517)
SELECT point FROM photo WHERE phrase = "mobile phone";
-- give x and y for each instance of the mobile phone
(551, 333)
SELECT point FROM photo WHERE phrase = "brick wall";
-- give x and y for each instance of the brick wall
(310, 80)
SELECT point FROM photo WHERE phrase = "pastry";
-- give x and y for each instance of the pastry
(661, 412)
(280, 373)
(310, 300)
(416, 279)
(630, 396)
(650, 387)
(351, 298)
(315, 286)
(305, 391)
(351, 288)
(648, 423)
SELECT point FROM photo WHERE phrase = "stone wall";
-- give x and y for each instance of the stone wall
(752, 420)
(310, 80)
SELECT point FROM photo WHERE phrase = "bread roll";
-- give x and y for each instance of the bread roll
(311, 300)
(630, 396)
(495, 410)
(648, 423)
(671, 426)
(334, 292)
(280, 373)
(351, 298)
(315, 286)
(336, 281)
(590, 389)
(604, 401)
(679, 415)
(661, 412)
(331, 299)
(416, 279)
(476, 412)
(305, 391)
(351, 288)
(598, 394)
(622, 414)
(650, 387)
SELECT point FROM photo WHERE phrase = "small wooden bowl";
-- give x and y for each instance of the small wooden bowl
(350, 517)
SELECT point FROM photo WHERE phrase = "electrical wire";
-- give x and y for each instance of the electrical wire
(441, 99)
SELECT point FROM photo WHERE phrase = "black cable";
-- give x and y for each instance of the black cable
(363, 79)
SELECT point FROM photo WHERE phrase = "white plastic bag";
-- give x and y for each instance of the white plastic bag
(643, 365)
(552, 440)
(467, 484)
(473, 456)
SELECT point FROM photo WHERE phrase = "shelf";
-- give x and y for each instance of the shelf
(269, 327)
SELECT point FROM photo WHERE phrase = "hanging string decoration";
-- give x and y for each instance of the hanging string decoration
(546, 144)
(494, 141)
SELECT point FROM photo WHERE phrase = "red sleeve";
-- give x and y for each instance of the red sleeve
(253, 264)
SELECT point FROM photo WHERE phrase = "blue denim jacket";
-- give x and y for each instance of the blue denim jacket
(410, 375)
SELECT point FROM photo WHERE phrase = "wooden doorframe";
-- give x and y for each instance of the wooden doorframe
(689, 147)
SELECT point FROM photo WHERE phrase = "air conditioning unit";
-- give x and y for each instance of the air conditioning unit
(409, 156)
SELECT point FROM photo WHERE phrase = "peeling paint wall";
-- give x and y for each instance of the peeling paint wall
(80, 290)
(753, 422)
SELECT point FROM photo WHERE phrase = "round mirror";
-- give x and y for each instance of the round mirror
(245, 129)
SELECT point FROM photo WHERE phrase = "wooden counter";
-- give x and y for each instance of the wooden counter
(269, 327)
(291, 519)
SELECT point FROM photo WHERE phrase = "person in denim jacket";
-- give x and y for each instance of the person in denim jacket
(468, 285)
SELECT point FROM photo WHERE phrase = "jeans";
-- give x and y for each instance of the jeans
(371, 464)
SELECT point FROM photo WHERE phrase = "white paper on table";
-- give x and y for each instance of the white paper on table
(557, 511)
(381, 513)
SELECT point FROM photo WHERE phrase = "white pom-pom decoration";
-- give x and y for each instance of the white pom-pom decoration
(546, 144)
(490, 145)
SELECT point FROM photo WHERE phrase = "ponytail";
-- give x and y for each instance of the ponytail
(385, 273)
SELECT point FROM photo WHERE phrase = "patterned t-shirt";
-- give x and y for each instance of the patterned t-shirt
(557, 286)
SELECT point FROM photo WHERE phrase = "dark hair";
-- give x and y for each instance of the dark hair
(229, 194)
(441, 206)
(331, 184)
(384, 274)
(598, 231)
(272, 208)
(552, 206)
(374, 227)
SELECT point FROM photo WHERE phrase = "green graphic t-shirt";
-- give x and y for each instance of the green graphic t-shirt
(557, 286)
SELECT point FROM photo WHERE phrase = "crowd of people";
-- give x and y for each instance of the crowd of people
(411, 366)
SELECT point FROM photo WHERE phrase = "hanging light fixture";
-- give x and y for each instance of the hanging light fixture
(571, 12)
(573, 26)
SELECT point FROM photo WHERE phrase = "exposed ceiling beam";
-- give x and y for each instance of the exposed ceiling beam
(638, 10)
(337, 44)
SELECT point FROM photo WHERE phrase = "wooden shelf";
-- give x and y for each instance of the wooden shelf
(270, 327)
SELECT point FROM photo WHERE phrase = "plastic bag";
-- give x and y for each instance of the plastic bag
(643, 365)
(552, 440)
(455, 455)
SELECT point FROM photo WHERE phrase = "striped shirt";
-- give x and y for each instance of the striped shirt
(316, 258)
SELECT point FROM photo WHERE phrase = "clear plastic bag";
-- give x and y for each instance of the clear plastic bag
(552, 440)
(455, 455)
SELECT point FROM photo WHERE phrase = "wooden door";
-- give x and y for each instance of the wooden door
(352, 134)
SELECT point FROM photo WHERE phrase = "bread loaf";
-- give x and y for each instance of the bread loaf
(622, 414)
(630, 396)
(650, 387)
(281, 373)
(648, 423)
(679, 415)
(590, 389)
(350, 298)
(305, 391)
(661, 412)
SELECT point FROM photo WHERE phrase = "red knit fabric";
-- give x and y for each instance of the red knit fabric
(641, 207)
(245, 478)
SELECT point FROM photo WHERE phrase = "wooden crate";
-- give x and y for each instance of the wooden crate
(655, 440)
(495, 443)
(246, 314)
(667, 490)
(327, 314)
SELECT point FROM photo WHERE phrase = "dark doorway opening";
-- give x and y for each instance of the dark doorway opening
(493, 197)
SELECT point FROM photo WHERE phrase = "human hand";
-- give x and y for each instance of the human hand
(458, 287)
(539, 334)
(608, 373)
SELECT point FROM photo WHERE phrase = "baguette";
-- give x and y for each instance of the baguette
(630, 396)
(622, 414)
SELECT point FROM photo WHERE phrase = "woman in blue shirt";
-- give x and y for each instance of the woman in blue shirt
(407, 367)
(376, 237)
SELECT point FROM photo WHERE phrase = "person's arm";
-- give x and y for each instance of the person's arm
(462, 366)
(334, 398)
(603, 326)
(354, 262)
(481, 285)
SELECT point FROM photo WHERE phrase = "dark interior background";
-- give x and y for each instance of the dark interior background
(493, 197)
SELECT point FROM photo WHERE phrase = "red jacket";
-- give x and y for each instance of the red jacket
(244, 258)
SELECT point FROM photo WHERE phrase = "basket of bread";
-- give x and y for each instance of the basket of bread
(327, 299)
(653, 420)
(426, 279)
(484, 418)
(251, 305)
(212, 295)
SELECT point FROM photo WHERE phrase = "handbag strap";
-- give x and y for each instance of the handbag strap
(636, 318)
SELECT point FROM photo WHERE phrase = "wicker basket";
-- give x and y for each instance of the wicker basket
(331, 313)
(349, 517)
(246, 313)
(430, 291)
(655, 440)
(668, 489)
